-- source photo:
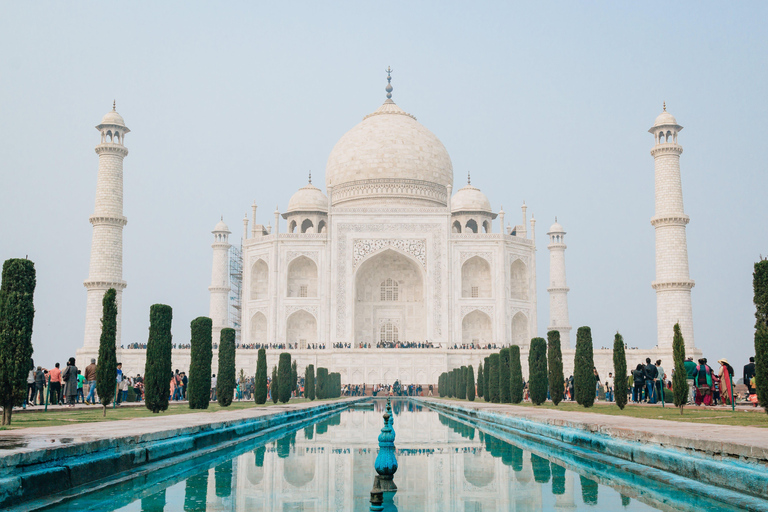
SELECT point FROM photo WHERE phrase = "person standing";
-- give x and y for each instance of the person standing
(40, 385)
(690, 370)
(90, 377)
(749, 372)
(213, 388)
(80, 382)
(661, 382)
(31, 386)
(70, 382)
(54, 382)
(184, 383)
(638, 379)
(118, 380)
(609, 388)
(651, 376)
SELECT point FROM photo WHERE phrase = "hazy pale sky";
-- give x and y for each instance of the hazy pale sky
(230, 103)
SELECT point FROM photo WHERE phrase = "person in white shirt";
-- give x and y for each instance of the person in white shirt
(609, 388)
(213, 388)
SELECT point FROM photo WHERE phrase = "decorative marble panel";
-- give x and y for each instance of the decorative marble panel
(292, 255)
(289, 310)
(363, 248)
(465, 310)
(485, 255)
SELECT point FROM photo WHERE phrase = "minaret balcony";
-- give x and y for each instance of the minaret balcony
(681, 284)
(670, 220)
(111, 147)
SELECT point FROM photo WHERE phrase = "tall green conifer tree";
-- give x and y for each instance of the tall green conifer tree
(538, 382)
(106, 369)
(284, 376)
(620, 384)
(157, 371)
(17, 313)
(309, 382)
(505, 396)
(555, 367)
(226, 382)
(201, 354)
(470, 372)
(515, 375)
(760, 285)
(260, 382)
(274, 386)
(583, 379)
(680, 377)
(494, 378)
(480, 380)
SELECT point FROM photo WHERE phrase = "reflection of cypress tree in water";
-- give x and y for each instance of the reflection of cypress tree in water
(284, 445)
(322, 427)
(196, 492)
(154, 503)
(309, 432)
(625, 500)
(460, 428)
(540, 468)
(588, 490)
(558, 479)
(334, 420)
(223, 474)
(258, 455)
(516, 455)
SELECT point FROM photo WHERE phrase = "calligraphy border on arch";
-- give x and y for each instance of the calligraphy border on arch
(292, 255)
(343, 257)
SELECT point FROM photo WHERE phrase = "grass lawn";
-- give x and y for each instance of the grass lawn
(38, 418)
(670, 413)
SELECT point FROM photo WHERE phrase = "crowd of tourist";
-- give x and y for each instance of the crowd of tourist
(473, 346)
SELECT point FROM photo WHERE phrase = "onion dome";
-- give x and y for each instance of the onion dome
(221, 227)
(470, 199)
(308, 198)
(556, 228)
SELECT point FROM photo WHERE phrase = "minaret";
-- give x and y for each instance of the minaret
(558, 290)
(106, 267)
(673, 283)
(219, 309)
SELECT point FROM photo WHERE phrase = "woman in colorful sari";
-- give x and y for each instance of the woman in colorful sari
(703, 384)
(725, 374)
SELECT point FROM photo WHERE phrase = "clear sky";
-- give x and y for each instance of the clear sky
(234, 102)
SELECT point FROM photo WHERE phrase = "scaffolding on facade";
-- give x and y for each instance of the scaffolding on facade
(236, 287)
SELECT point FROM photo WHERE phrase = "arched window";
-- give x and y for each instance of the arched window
(389, 290)
(669, 137)
(109, 135)
(472, 225)
(292, 227)
(456, 226)
(661, 137)
(388, 332)
(306, 226)
(321, 226)
(486, 227)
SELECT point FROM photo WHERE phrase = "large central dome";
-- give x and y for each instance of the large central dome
(389, 159)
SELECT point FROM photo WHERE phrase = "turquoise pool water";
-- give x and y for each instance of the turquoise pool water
(444, 465)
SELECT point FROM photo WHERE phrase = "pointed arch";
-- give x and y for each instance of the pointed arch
(302, 277)
(471, 225)
(476, 278)
(292, 226)
(258, 328)
(307, 226)
(456, 227)
(321, 227)
(259, 280)
(476, 327)
(518, 280)
(520, 330)
(301, 328)
(487, 226)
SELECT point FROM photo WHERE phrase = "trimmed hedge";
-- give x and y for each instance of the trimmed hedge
(583, 379)
(680, 377)
(494, 377)
(538, 381)
(201, 354)
(470, 379)
(487, 379)
(321, 384)
(274, 386)
(462, 383)
(515, 375)
(157, 372)
(620, 384)
(260, 383)
(504, 376)
(760, 286)
(284, 377)
(226, 381)
(555, 367)
(106, 369)
(480, 380)
(309, 382)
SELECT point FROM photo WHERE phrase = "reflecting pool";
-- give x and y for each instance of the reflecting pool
(444, 465)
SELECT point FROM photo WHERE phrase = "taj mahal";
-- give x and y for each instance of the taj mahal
(392, 254)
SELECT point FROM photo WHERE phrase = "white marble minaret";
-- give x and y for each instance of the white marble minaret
(558, 290)
(673, 283)
(106, 268)
(219, 310)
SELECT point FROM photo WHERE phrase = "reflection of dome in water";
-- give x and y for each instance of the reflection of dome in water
(299, 470)
(477, 471)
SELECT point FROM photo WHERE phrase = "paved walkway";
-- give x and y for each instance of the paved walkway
(750, 443)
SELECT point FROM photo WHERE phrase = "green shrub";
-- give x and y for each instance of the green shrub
(505, 396)
(295, 377)
(620, 384)
(227, 376)
(487, 379)
(555, 367)
(309, 382)
(106, 369)
(470, 378)
(320, 387)
(284, 376)
(680, 377)
(462, 385)
(17, 313)
(274, 386)
(480, 380)
(760, 285)
(494, 378)
(157, 372)
(583, 363)
(516, 385)
(260, 382)
(201, 354)
(538, 381)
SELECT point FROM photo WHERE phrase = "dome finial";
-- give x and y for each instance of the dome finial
(555, 218)
(389, 83)
(310, 177)
(114, 105)
(469, 178)
(665, 106)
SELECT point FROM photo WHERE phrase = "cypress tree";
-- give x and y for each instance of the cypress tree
(157, 371)
(620, 384)
(487, 380)
(106, 369)
(680, 377)
(274, 385)
(760, 285)
(555, 367)
(284, 376)
(515, 375)
(320, 385)
(451, 386)
(470, 373)
(295, 377)
(480, 380)
(537, 367)
(201, 354)
(260, 383)
(456, 382)
(494, 377)
(440, 386)
(226, 383)
(309, 382)
(336, 385)
(583, 362)
(504, 376)
(17, 313)
(462, 385)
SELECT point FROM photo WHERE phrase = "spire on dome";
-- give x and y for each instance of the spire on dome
(665, 106)
(389, 83)
(114, 105)
(469, 178)
(310, 177)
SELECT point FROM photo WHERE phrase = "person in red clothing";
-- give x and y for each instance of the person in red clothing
(55, 383)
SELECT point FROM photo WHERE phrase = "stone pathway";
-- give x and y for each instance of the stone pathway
(747, 443)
